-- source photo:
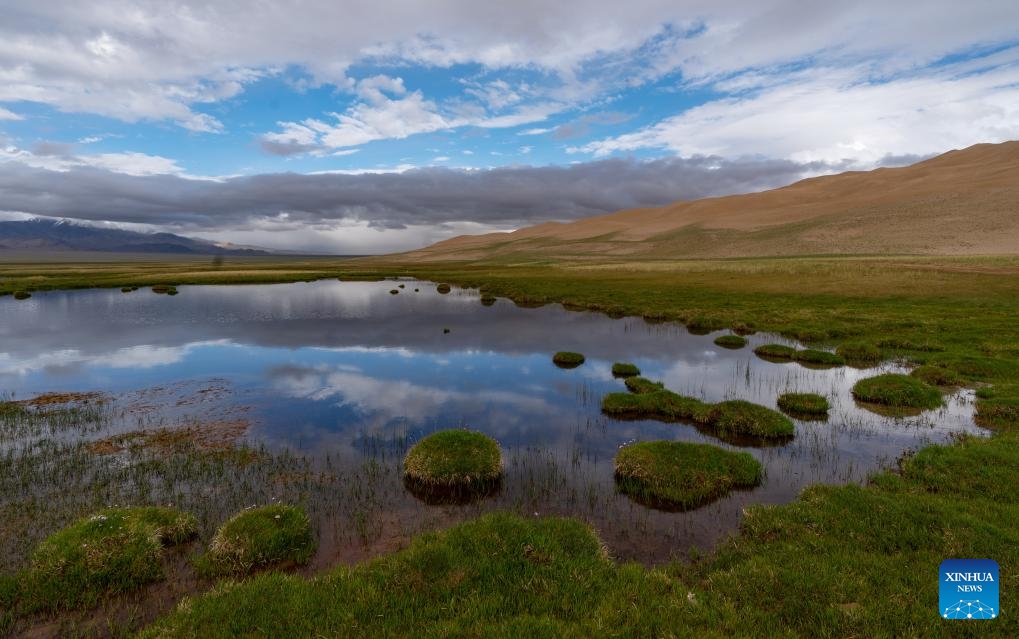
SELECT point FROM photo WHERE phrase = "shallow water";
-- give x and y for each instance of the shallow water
(353, 375)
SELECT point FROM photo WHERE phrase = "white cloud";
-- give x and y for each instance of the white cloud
(830, 115)
(9, 115)
(538, 131)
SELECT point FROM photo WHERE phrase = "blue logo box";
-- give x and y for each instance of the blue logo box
(969, 589)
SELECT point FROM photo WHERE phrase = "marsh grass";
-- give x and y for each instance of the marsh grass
(682, 475)
(731, 420)
(453, 463)
(22, 295)
(731, 341)
(110, 552)
(739, 417)
(936, 376)
(487, 300)
(277, 534)
(897, 391)
(625, 369)
(773, 352)
(443, 289)
(818, 358)
(804, 404)
(860, 352)
(640, 385)
(568, 359)
(164, 289)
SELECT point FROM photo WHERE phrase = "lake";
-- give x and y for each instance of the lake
(348, 376)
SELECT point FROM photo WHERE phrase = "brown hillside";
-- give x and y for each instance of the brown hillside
(960, 203)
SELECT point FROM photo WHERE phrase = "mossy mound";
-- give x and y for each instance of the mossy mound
(568, 359)
(897, 391)
(22, 295)
(128, 289)
(809, 404)
(443, 288)
(936, 375)
(394, 291)
(682, 475)
(257, 537)
(488, 300)
(113, 551)
(731, 341)
(818, 358)
(739, 417)
(642, 385)
(775, 352)
(625, 369)
(164, 289)
(859, 352)
(458, 462)
(662, 404)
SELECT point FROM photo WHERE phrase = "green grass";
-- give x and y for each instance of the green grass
(797, 404)
(897, 391)
(936, 375)
(568, 359)
(817, 357)
(738, 417)
(625, 369)
(998, 412)
(775, 351)
(454, 459)
(728, 420)
(259, 537)
(860, 352)
(641, 385)
(731, 341)
(682, 475)
(110, 552)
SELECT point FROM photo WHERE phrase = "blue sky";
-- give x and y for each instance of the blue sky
(186, 111)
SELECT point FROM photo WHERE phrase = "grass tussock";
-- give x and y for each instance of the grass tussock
(860, 352)
(641, 385)
(625, 369)
(728, 420)
(568, 359)
(797, 404)
(113, 551)
(731, 341)
(681, 474)
(443, 289)
(775, 352)
(22, 295)
(394, 291)
(259, 537)
(487, 300)
(897, 391)
(454, 459)
(818, 358)
(164, 289)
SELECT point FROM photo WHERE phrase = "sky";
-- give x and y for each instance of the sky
(365, 127)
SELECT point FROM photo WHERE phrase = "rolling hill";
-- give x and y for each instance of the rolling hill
(963, 202)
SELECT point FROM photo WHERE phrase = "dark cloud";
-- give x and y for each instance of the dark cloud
(508, 196)
(53, 149)
(286, 149)
(582, 126)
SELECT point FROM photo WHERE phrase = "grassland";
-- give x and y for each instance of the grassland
(839, 561)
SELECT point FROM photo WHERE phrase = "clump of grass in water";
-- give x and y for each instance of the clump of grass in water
(641, 385)
(775, 352)
(487, 300)
(810, 404)
(731, 341)
(820, 358)
(936, 375)
(859, 352)
(394, 292)
(164, 289)
(22, 295)
(258, 537)
(113, 551)
(997, 412)
(897, 391)
(568, 359)
(443, 288)
(456, 462)
(681, 474)
(727, 419)
(625, 369)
